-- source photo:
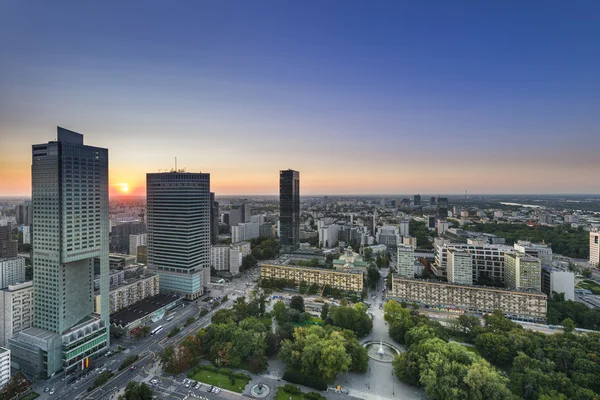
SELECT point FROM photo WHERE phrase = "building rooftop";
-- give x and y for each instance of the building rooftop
(351, 271)
(141, 309)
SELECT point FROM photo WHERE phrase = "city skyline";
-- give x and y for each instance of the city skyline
(402, 98)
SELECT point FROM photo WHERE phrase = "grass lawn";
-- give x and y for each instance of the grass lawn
(281, 395)
(31, 396)
(221, 380)
(472, 349)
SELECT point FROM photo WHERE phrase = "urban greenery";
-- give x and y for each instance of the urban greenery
(264, 248)
(288, 391)
(422, 233)
(222, 377)
(565, 240)
(174, 332)
(583, 316)
(310, 381)
(128, 361)
(137, 391)
(100, 380)
(588, 284)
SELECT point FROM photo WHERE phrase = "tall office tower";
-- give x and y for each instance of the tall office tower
(522, 271)
(417, 199)
(460, 267)
(595, 248)
(214, 220)
(178, 218)
(432, 201)
(8, 246)
(442, 207)
(406, 261)
(24, 214)
(289, 209)
(119, 235)
(70, 230)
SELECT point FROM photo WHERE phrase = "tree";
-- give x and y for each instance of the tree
(137, 391)
(280, 312)
(297, 303)
(324, 311)
(568, 325)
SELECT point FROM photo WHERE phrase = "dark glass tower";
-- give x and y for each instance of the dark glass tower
(214, 220)
(289, 209)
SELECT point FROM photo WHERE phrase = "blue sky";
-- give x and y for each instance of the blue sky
(361, 97)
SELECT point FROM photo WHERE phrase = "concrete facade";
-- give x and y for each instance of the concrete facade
(522, 271)
(12, 271)
(406, 261)
(16, 310)
(460, 267)
(595, 248)
(351, 280)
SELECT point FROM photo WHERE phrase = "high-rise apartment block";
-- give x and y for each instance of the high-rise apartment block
(595, 248)
(541, 251)
(136, 241)
(460, 267)
(245, 231)
(388, 235)
(24, 214)
(16, 310)
(4, 366)
(289, 209)
(70, 230)
(12, 271)
(178, 219)
(406, 261)
(522, 271)
(404, 230)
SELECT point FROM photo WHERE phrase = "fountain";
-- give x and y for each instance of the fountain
(383, 352)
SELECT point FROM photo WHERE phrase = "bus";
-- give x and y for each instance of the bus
(170, 318)
(156, 330)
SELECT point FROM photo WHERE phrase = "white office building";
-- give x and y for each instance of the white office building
(460, 267)
(328, 234)
(16, 310)
(595, 248)
(388, 235)
(405, 261)
(225, 257)
(12, 271)
(136, 241)
(403, 227)
(245, 231)
(4, 366)
(556, 280)
(442, 226)
(541, 251)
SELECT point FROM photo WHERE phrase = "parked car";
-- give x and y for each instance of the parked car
(51, 391)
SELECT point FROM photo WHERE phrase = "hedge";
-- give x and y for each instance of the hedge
(310, 381)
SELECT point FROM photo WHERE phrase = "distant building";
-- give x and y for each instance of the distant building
(142, 254)
(24, 214)
(178, 215)
(8, 246)
(12, 271)
(525, 305)
(417, 199)
(522, 271)
(136, 241)
(432, 201)
(16, 310)
(541, 251)
(214, 220)
(228, 257)
(239, 214)
(328, 234)
(265, 230)
(289, 209)
(119, 235)
(115, 278)
(219, 257)
(410, 241)
(245, 231)
(388, 235)
(378, 249)
(121, 261)
(4, 366)
(595, 248)
(442, 207)
(442, 226)
(460, 267)
(403, 227)
(406, 261)
(140, 286)
(558, 281)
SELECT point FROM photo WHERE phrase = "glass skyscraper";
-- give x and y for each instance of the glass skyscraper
(69, 230)
(289, 209)
(178, 223)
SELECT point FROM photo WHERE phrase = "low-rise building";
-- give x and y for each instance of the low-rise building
(556, 280)
(4, 366)
(121, 261)
(388, 235)
(16, 310)
(349, 280)
(138, 286)
(525, 305)
(410, 241)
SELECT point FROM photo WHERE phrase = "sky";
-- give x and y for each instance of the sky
(361, 97)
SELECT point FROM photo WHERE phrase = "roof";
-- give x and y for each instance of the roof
(141, 309)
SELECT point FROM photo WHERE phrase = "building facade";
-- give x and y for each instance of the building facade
(178, 218)
(595, 248)
(4, 366)
(460, 267)
(136, 241)
(8, 246)
(16, 310)
(388, 235)
(119, 235)
(521, 305)
(541, 251)
(522, 271)
(12, 271)
(350, 280)
(130, 292)
(558, 281)
(214, 220)
(406, 261)
(289, 209)
(245, 231)
(70, 230)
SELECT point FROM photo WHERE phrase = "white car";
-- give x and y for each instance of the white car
(217, 390)
(154, 381)
(51, 391)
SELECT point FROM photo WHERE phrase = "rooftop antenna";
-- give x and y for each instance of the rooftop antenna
(175, 164)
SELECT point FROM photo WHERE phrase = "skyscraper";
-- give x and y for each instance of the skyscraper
(8, 246)
(289, 209)
(406, 261)
(214, 220)
(442, 207)
(70, 230)
(178, 222)
(417, 199)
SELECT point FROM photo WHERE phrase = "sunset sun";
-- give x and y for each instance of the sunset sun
(123, 187)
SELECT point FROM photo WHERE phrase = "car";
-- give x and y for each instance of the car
(187, 384)
(46, 389)
(217, 390)
(198, 385)
(184, 381)
(210, 389)
(132, 368)
(154, 381)
(51, 391)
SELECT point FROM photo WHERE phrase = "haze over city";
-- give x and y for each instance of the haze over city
(390, 98)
